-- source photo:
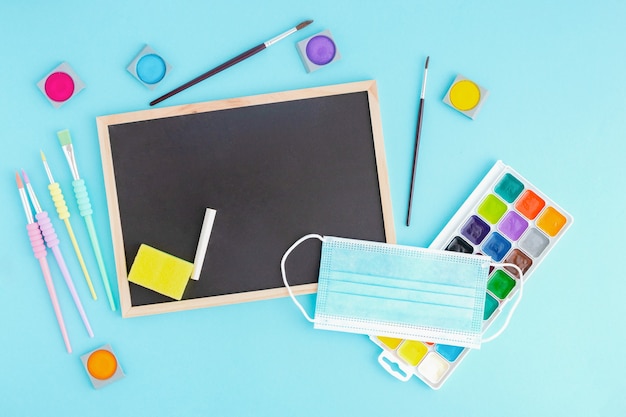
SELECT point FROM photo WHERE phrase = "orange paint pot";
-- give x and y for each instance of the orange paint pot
(102, 366)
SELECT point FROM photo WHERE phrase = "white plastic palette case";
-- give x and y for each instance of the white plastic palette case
(507, 218)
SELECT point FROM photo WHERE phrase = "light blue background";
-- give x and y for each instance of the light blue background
(556, 113)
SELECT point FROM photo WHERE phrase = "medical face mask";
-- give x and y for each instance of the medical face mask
(398, 291)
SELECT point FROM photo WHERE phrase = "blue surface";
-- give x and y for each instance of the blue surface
(556, 113)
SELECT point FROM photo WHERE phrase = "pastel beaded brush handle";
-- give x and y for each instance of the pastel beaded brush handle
(84, 207)
(36, 241)
(64, 214)
(52, 241)
(82, 197)
(59, 201)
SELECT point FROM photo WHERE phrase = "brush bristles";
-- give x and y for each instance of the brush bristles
(64, 137)
(426, 66)
(26, 179)
(304, 24)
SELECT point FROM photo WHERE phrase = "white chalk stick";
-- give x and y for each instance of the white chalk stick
(203, 242)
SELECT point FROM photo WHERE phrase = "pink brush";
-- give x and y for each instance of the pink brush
(52, 242)
(39, 250)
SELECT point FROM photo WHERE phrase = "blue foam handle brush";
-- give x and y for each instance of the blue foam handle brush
(84, 208)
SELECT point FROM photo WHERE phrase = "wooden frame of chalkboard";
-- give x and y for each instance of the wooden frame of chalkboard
(275, 167)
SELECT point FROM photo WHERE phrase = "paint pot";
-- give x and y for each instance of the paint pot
(318, 51)
(466, 96)
(433, 367)
(102, 366)
(475, 230)
(500, 284)
(448, 352)
(496, 246)
(148, 67)
(412, 351)
(491, 305)
(513, 225)
(492, 209)
(459, 245)
(60, 85)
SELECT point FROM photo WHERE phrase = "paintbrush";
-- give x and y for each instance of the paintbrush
(39, 249)
(52, 241)
(64, 214)
(417, 140)
(84, 208)
(245, 55)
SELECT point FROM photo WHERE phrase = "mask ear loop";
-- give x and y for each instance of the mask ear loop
(517, 300)
(282, 270)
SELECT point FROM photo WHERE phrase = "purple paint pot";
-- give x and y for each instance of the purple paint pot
(321, 50)
(318, 51)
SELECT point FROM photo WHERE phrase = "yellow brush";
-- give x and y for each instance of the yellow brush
(64, 214)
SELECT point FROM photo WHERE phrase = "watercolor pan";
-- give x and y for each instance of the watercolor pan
(507, 218)
(60, 84)
(149, 68)
(465, 96)
(102, 366)
(318, 50)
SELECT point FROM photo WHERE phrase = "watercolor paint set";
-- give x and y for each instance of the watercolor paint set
(506, 218)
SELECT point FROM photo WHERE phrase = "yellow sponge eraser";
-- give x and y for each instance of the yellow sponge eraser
(160, 272)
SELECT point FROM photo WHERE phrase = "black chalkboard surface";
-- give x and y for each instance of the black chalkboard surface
(274, 166)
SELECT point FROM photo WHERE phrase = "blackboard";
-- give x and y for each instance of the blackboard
(274, 166)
